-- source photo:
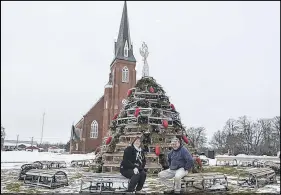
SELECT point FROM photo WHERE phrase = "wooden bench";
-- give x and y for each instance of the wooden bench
(103, 182)
(256, 176)
(206, 181)
(46, 178)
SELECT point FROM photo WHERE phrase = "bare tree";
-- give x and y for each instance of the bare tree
(275, 125)
(198, 136)
(266, 146)
(246, 132)
(245, 136)
(218, 141)
(233, 138)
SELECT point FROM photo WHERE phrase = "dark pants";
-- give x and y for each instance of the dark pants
(135, 179)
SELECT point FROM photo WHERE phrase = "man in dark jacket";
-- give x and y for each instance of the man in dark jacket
(132, 166)
(180, 161)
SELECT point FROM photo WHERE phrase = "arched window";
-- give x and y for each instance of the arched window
(126, 49)
(125, 75)
(94, 129)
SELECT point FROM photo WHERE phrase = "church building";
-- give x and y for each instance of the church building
(94, 125)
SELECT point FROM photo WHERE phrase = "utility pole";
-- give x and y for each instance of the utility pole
(17, 142)
(42, 129)
(32, 144)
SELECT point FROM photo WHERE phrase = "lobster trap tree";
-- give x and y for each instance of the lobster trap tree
(147, 113)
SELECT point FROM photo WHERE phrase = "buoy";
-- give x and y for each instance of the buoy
(129, 92)
(185, 139)
(165, 124)
(137, 112)
(157, 150)
(108, 140)
(115, 116)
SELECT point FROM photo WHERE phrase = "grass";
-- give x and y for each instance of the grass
(226, 170)
(13, 187)
(31, 191)
(77, 176)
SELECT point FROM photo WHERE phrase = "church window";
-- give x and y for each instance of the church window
(126, 49)
(94, 129)
(76, 146)
(125, 75)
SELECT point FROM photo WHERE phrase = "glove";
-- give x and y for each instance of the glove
(136, 171)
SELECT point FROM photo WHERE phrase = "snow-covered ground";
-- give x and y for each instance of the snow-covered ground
(11, 162)
(14, 159)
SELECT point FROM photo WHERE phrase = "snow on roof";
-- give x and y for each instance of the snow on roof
(15, 144)
(31, 147)
(53, 147)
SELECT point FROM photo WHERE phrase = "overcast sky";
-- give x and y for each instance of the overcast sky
(216, 60)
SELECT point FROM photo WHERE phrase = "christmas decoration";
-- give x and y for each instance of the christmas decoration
(165, 124)
(115, 116)
(173, 107)
(147, 114)
(151, 90)
(129, 92)
(137, 112)
(157, 150)
(108, 140)
(185, 139)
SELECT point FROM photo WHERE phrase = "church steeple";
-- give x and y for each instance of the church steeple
(123, 45)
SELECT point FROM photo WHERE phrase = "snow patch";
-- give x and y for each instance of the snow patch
(14, 159)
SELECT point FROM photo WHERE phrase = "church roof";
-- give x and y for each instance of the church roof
(124, 39)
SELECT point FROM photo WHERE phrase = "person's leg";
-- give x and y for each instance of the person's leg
(165, 175)
(180, 173)
(134, 178)
(141, 180)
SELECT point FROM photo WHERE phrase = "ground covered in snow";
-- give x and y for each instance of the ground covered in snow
(12, 161)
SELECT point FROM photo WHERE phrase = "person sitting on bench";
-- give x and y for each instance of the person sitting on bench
(132, 165)
(180, 161)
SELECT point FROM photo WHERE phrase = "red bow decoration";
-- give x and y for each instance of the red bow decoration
(129, 92)
(185, 139)
(157, 150)
(165, 124)
(108, 140)
(137, 112)
(115, 116)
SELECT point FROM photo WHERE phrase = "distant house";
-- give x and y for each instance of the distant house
(32, 149)
(55, 149)
(17, 145)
